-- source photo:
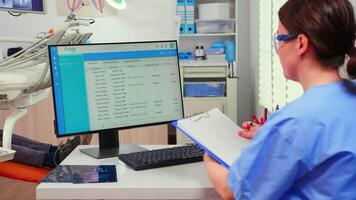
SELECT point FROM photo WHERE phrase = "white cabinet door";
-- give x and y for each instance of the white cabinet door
(193, 106)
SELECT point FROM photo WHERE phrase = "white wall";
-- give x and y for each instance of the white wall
(254, 53)
(245, 84)
(353, 3)
(142, 20)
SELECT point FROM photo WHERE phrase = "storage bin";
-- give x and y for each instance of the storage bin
(204, 89)
(215, 26)
(208, 11)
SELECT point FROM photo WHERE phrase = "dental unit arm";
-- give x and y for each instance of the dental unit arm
(25, 77)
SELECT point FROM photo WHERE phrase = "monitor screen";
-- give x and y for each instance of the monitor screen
(114, 86)
(35, 6)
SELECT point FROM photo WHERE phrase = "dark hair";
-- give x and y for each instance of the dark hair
(329, 26)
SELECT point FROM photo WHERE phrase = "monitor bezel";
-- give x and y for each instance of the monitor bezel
(110, 129)
(24, 11)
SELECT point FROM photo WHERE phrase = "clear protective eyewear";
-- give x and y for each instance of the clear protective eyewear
(278, 40)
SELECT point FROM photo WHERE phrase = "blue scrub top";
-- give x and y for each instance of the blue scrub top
(307, 150)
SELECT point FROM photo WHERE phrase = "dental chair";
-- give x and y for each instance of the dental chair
(25, 77)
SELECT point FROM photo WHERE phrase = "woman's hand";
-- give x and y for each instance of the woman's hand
(218, 177)
(249, 130)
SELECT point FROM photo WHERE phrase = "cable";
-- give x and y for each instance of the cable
(14, 14)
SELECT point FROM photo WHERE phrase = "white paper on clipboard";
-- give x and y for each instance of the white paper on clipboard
(215, 133)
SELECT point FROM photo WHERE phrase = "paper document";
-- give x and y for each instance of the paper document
(216, 134)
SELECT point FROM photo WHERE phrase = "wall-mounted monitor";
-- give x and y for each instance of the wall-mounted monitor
(24, 6)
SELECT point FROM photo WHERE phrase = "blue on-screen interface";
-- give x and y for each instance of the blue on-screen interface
(106, 86)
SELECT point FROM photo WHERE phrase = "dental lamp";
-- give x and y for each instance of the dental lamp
(118, 4)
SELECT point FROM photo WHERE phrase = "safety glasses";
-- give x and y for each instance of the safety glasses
(278, 39)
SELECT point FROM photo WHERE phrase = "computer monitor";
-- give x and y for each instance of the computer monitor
(24, 6)
(102, 88)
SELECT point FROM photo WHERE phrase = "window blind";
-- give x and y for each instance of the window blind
(273, 88)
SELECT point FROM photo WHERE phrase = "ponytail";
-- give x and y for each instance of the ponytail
(351, 65)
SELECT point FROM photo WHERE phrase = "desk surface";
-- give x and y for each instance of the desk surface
(188, 181)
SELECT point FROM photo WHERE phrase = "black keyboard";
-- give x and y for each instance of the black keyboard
(163, 157)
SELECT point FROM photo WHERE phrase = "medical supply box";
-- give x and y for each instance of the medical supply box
(215, 26)
(204, 89)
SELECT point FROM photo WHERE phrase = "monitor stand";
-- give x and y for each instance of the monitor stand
(109, 146)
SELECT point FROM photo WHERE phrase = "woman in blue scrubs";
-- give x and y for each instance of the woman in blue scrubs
(307, 150)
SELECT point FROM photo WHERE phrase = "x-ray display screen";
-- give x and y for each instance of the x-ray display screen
(37, 6)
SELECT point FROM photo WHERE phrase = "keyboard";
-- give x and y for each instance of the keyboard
(162, 157)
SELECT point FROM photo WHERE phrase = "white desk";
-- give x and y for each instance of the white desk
(188, 181)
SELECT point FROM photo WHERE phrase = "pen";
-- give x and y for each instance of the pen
(265, 116)
(254, 117)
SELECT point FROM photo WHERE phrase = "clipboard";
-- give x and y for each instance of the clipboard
(216, 134)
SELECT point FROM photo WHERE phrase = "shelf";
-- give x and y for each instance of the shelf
(211, 70)
(202, 63)
(204, 98)
(207, 34)
(214, 20)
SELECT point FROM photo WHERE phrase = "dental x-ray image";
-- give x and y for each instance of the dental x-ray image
(36, 6)
(22, 4)
(6, 3)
